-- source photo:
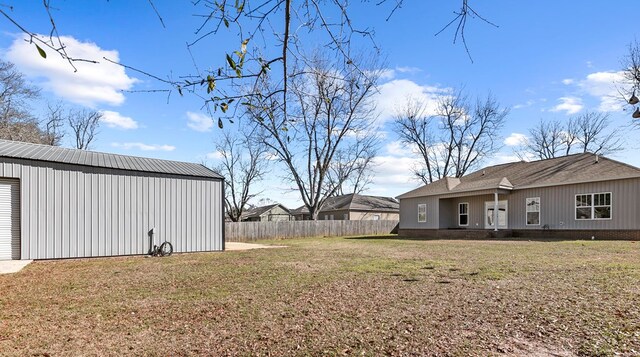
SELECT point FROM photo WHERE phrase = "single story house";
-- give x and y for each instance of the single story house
(66, 203)
(576, 197)
(270, 213)
(354, 207)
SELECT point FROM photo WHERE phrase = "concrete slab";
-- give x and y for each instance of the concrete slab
(12, 266)
(246, 246)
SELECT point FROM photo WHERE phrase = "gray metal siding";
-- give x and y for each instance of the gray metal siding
(476, 209)
(72, 211)
(447, 214)
(409, 213)
(557, 204)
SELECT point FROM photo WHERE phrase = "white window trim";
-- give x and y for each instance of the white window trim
(460, 214)
(425, 212)
(526, 219)
(593, 206)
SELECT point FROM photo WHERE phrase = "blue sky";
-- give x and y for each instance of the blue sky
(547, 60)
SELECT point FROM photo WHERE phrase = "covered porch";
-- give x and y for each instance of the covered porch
(482, 211)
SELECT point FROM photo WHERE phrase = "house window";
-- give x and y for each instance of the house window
(326, 217)
(376, 217)
(463, 214)
(422, 212)
(346, 217)
(593, 206)
(533, 211)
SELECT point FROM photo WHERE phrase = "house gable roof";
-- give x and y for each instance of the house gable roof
(259, 211)
(355, 202)
(38, 152)
(571, 169)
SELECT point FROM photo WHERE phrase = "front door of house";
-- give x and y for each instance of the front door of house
(489, 217)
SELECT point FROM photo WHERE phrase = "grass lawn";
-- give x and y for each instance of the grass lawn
(334, 296)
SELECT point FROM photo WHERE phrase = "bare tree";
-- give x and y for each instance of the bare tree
(330, 118)
(591, 134)
(584, 133)
(454, 139)
(413, 124)
(16, 120)
(630, 89)
(84, 124)
(360, 177)
(258, 25)
(548, 139)
(53, 125)
(243, 164)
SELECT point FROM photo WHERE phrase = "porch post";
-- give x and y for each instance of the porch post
(495, 211)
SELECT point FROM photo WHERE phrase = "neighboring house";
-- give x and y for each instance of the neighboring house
(354, 207)
(576, 196)
(67, 203)
(270, 213)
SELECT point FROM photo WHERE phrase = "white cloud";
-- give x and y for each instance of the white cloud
(143, 147)
(396, 172)
(570, 105)
(567, 81)
(216, 155)
(393, 95)
(199, 122)
(604, 86)
(116, 120)
(387, 74)
(515, 139)
(398, 148)
(410, 70)
(527, 104)
(92, 84)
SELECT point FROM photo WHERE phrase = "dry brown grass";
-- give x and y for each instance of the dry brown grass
(334, 296)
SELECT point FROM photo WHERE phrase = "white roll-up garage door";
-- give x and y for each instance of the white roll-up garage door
(9, 219)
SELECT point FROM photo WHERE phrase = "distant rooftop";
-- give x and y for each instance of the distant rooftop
(20, 150)
(355, 202)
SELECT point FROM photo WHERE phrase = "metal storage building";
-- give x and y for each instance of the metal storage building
(66, 203)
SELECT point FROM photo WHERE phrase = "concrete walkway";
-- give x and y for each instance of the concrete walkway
(12, 266)
(246, 246)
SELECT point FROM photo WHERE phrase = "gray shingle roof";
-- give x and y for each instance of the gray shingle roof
(20, 150)
(571, 169)
(259, 211)
(357, 202)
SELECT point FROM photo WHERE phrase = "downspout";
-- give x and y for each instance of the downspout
(495, 211)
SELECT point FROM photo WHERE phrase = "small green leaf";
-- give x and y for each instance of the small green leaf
(226, 22)
(231, 62)
(220, 123)
(180, 90)
(224, 107)
(41, 51)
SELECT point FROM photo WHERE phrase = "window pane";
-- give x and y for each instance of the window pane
(533, 204)
(608, 199)
(602, 212)
(583, 200)
(583, 213)
(464, 219)
(533, 218)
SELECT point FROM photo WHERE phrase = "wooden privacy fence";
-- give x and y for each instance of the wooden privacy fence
(252, 231)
